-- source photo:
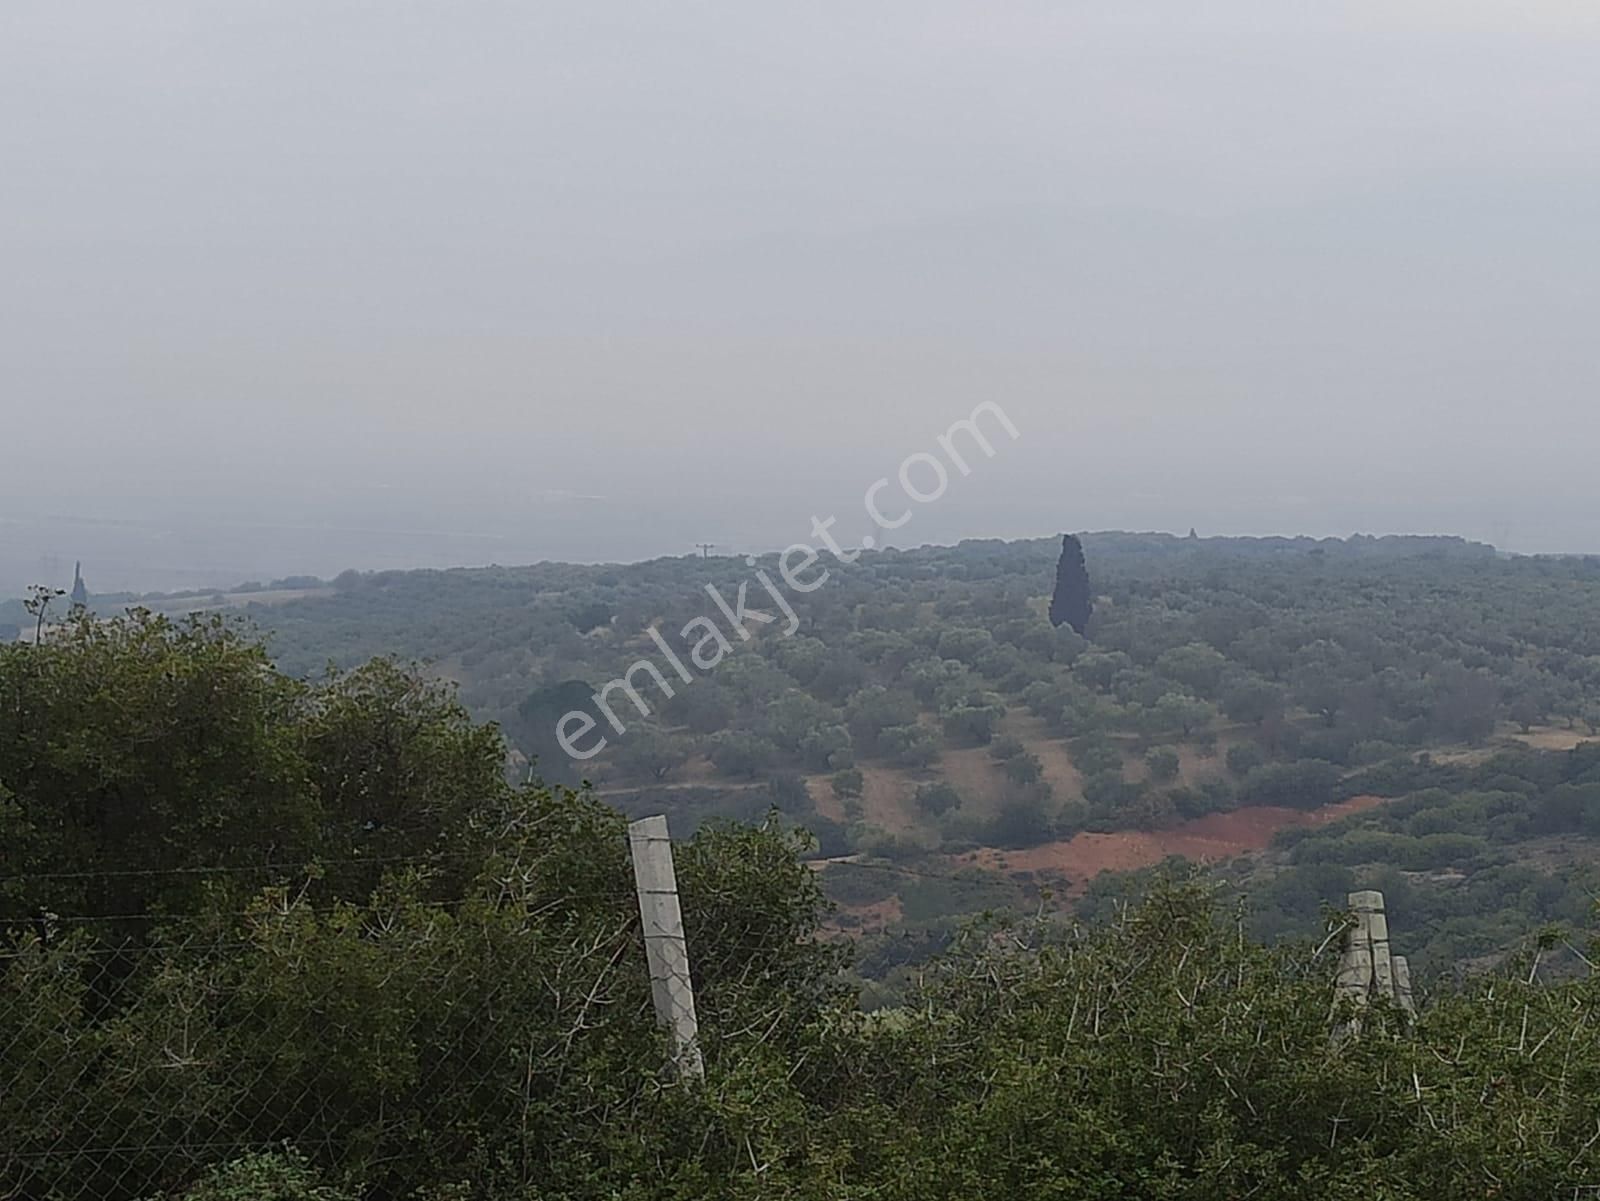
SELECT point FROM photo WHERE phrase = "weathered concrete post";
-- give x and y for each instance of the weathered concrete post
(1355, 959)
(1366, 967)
(665, 950)
(1402, 985)
(1370, 905)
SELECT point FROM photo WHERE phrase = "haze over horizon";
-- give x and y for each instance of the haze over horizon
(296, 287)
(398, 550)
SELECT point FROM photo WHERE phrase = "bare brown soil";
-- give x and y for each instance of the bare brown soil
(1210, 839)
(1554, 738)
(822, 796)
(879, 915)
(974, 775)
(234, 600)
(1065, 780)
(885, 799)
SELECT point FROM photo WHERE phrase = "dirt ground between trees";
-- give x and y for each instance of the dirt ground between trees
(1552, 738)
(1209, 839)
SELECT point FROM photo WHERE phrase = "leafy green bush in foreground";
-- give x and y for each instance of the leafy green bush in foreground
(468, 1015)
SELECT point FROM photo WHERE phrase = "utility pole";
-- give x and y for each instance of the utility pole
(671, 990)
(706, 548)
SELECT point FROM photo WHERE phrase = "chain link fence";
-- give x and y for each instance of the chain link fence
(404, 1042)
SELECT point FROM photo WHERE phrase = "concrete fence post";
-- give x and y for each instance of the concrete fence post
(666, 952)
(1367, 969)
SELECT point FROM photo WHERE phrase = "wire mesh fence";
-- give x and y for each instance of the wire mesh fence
(407, 1040)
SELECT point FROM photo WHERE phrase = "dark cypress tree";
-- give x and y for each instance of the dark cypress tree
(1072, 603)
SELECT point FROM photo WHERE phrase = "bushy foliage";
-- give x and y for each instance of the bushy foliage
(266, 1176)
(1361, 654)
(937, 799)
(137, 753)
(1162, 764)
(469, 1016)
(1165, 1056)
(1303, 784)
(847, 783)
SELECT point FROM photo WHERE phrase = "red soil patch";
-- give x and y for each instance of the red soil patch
(1209, 839)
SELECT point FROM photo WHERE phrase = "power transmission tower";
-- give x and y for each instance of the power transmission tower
(706, 548)
(666, 952)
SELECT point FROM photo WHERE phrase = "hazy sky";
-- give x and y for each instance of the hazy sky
(291, 286)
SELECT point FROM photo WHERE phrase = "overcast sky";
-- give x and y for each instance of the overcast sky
(292, 286)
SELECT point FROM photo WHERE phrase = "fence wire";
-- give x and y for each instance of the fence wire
(403, 1042)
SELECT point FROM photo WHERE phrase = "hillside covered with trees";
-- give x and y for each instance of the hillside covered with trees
(265, 938)
(1305, 716)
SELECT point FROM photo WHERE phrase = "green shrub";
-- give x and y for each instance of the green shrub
(1007, 747)
(268, 1176)
(1303, 784)
(937, 798)
(1243, 758)
(847, 783)
(1163, 764)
